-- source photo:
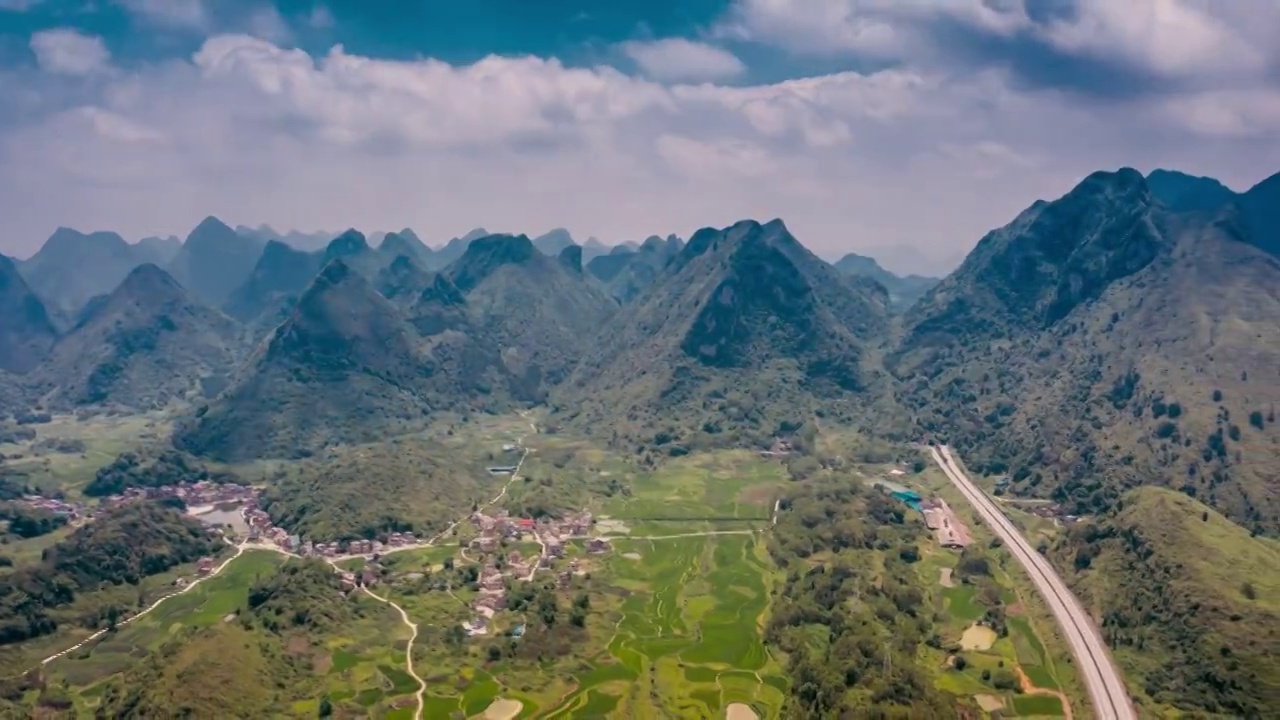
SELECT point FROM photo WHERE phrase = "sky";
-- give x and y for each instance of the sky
(901, 128)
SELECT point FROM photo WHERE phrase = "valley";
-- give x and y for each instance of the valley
(713, 477)
(667, 601)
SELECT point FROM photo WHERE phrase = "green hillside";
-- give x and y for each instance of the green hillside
(1189, 600)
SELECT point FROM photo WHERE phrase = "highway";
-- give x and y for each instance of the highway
(1107, 692)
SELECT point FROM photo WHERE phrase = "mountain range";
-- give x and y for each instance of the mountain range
(1125, 333)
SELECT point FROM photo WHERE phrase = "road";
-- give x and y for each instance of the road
(408, 653)
(1107, 692)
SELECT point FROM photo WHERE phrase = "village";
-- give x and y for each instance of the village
(496, 566)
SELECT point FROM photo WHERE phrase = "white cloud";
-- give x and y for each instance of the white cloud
(179, 14)
(679, 59)
(813, 27)
(254, 133)
(1170, 37)
(67, 52)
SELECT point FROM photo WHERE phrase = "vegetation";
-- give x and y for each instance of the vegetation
(745, 329)
(369, 491)
(130, 470)
(24, 522)
(1067, 353)
(1187, 599)
(851, 657)
(146, 345)
(121, 547)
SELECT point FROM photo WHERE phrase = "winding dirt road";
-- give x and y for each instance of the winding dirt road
(1107, 692)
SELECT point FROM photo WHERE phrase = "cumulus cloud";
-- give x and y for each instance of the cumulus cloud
(1093, 47)
(679, 59)
(68, 52)
(254, 132)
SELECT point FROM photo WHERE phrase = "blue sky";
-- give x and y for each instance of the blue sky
(905, 128)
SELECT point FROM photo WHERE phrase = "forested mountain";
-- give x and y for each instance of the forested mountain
(26, 332)
(1103, 341)
(744, 330)
(144, 346)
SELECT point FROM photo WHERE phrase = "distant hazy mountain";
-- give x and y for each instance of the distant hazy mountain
(627, 273)
(455, 248)
(742, 329)
(158, 251)
(144, 346)
(553, 241)
(903, 291)
(593, 248)
(72, 267)
(26, 332)
(407, 243)
(214, 261)
(308, 242)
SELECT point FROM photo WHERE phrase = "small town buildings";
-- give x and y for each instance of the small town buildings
(204, 565)
(598, 545)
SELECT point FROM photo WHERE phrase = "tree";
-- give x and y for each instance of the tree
(326, 707)
(960, 663)
(495, 653)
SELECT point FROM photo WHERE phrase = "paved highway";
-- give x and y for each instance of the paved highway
(1102, 678)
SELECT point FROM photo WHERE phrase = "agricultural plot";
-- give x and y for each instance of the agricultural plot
(67, 451)
(675, 628)
(362, 661)
(998, 629)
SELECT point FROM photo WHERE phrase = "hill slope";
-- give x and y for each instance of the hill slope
(1101, 341)
(536, 312)
(744, 330)
(26, 332)
(143, 346)
(1187, 599)
(344, 367)
(279, 275)
(214, 261)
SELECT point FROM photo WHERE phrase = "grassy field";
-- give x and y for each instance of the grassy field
(1192, 603)
(99, 438)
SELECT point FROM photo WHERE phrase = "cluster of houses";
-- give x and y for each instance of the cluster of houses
(262, 530)
(553, 532)
(192, 494)
(550, 533)
(72, 511)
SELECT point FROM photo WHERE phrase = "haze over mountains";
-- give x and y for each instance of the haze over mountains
(1127, 330)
